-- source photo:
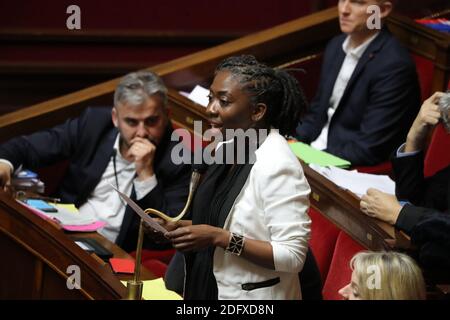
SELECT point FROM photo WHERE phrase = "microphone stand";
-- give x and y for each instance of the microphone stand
(135, 286)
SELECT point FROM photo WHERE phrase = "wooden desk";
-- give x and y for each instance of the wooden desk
(342, 208)
(117, 253)
(37, 254)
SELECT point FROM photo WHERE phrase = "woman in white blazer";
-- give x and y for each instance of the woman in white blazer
(248, 237)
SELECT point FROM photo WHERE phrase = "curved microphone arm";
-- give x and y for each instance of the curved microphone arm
(195, 180)
(135, 286)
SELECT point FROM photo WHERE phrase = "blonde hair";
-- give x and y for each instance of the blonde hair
(399, 276)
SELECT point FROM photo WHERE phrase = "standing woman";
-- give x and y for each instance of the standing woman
(249, 234)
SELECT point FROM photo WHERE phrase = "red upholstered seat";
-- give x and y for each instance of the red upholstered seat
(323, 239)
(382, 168)
(162, 255)
(340, 273)
(156, 260)
(438, 154)
(157, 267)
(425, 68)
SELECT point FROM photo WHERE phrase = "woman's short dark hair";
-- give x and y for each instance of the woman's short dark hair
(276, 88)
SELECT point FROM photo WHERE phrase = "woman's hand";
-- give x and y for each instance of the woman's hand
(197, 237)
(157, 236)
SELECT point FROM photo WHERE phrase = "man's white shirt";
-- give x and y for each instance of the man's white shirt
(105, 204)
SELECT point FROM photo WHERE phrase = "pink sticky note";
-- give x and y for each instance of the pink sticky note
(85, 228)
(122, 265)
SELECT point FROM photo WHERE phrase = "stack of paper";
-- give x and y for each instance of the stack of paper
(199, 95)
(356, 182)
(69, 218)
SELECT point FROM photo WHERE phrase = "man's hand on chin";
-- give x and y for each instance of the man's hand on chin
(142, 151)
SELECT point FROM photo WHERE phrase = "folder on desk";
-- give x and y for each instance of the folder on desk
(313, 156)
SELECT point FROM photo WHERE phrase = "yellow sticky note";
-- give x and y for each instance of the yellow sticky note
(70, 207)
(156, 290)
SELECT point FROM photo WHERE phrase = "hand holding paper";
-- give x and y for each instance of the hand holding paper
(150, 221)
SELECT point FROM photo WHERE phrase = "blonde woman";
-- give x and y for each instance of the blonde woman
(384, 276)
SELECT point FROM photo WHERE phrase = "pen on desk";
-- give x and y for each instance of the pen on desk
(49, 199)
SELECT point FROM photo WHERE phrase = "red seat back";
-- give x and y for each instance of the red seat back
(438, 153)
(323, 239)
(382, 168)
(425, 71)
(340, 273)
(156, 260)
(157, 267)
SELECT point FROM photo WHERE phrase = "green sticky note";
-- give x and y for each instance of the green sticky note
(310, 155)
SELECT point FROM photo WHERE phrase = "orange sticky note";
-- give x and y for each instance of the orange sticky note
(122, 265)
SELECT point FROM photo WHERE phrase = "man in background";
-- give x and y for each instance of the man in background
(128, 146)
(368, 92)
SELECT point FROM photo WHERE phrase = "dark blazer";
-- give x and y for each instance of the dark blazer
(377, 108)
(426, 195)
(87, 142)
(427, 218)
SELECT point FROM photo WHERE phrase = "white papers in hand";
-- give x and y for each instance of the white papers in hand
(356, 182)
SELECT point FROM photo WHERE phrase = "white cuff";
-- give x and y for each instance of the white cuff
(142, 188)
(401, 152)
(8, 163)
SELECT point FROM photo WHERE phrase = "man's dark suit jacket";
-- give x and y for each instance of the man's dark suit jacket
(426, 195)
(377, 108)
(87, 143)
(427, 218)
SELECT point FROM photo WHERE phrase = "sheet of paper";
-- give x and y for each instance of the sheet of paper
(149, 220)
(310, 155)
(65, 217)
(156, 290)
(200, 96)
(356, 182)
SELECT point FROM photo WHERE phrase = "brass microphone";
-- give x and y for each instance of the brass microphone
(135, 286)
(197, 172)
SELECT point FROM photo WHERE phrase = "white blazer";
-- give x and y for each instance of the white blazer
(272, 206)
